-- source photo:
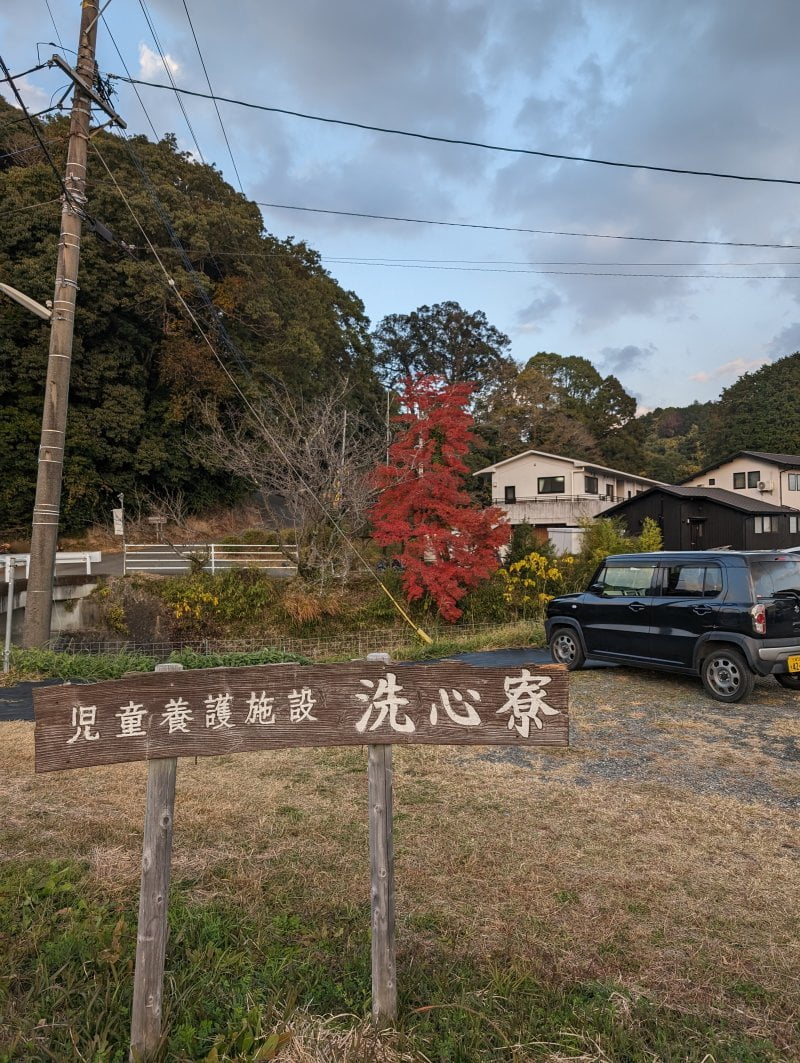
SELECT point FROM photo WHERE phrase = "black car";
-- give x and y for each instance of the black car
(724, 615)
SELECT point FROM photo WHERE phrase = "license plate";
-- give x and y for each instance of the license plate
(793, 663)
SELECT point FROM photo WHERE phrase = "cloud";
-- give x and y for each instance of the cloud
(538, 312)
(787, 341)
(35, 98)
(151, 66)
(625, 359)
(730, 370)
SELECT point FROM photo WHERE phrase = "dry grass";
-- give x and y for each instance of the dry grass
(679, 895)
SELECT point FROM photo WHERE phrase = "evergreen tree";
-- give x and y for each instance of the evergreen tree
(141, 373)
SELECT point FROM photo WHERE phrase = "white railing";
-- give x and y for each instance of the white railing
(163, 559)
(63, 557)
(554, 499)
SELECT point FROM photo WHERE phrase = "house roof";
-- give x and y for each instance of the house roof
(577, 462)
(731, 499)
(790, 461)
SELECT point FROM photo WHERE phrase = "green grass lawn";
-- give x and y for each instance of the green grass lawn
(246, 987)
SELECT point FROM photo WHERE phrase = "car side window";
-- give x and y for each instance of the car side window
(624, 581)
(691, 581)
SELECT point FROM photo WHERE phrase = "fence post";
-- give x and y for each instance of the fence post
(381, 858)
(11, 570)
(151, 933)
(213, 559)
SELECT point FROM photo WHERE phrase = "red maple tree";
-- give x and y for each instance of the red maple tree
(447, 544)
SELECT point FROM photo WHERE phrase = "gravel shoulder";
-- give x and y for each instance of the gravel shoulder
(633, 726)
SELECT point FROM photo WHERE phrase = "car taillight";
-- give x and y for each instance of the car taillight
(759, 615)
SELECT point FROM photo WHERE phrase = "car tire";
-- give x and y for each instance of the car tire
(790, 680)
(726, 675)
(565, 647)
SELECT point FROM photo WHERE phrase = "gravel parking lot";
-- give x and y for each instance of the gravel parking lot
(663, 730)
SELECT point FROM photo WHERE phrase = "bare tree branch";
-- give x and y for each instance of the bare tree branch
(319, 457)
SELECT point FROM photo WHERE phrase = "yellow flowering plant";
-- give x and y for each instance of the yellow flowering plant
(531, 582)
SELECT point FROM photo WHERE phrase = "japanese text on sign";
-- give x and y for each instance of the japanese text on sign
(226, 710)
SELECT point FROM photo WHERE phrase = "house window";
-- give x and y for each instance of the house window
(711, 482)
(762, 525)
(609, 490)
(793, 525)
(551, 485)
(738, 481)
(794, 481)
(753, 478)
(511, 493)
(591, 485)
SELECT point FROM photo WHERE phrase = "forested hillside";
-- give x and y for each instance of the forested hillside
(141, 372)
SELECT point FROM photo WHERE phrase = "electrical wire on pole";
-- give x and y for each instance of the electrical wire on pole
(46, 509)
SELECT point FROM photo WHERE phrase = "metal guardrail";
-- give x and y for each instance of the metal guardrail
(63, 557)
(161, 558)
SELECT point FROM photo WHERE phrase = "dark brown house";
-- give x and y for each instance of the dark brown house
(703, 518)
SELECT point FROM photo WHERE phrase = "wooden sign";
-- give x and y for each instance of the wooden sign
(175, 713)
(208, 712)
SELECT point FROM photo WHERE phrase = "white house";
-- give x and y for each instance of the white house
(756, 474)
(551, 491)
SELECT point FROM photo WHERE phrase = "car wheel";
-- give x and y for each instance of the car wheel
(726, 676)
(790, 680)
(566, 648)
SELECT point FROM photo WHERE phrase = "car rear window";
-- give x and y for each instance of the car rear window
(691, 581)
(775, 575)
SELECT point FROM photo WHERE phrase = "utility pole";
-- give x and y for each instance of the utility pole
(46, 508)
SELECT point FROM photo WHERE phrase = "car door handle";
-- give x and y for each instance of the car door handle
(636, 607)
(701, 610)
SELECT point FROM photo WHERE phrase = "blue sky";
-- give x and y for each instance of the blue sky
(711, 86)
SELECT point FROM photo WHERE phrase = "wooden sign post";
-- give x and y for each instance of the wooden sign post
(208, 712)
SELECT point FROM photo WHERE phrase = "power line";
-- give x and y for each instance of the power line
(165, 64)
(476, 261)
(462, 142)
(55, 27)
(490, 266)
(32, 70)
(127, 71)
(31, 206)
(31, 147)
(518, 229)
(172, 234)
(276, 443)
(42, 145)
(576, 273)
(211, 90)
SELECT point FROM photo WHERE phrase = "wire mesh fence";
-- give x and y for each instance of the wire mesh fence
(356, 644)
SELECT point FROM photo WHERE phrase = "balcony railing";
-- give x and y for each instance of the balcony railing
(554, 499)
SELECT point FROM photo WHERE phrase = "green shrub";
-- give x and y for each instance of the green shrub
(487, 604)
(525, 540)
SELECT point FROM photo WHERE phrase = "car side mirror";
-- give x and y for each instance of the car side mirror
(596, 588)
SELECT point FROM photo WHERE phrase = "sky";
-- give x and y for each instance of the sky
(701, 86)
